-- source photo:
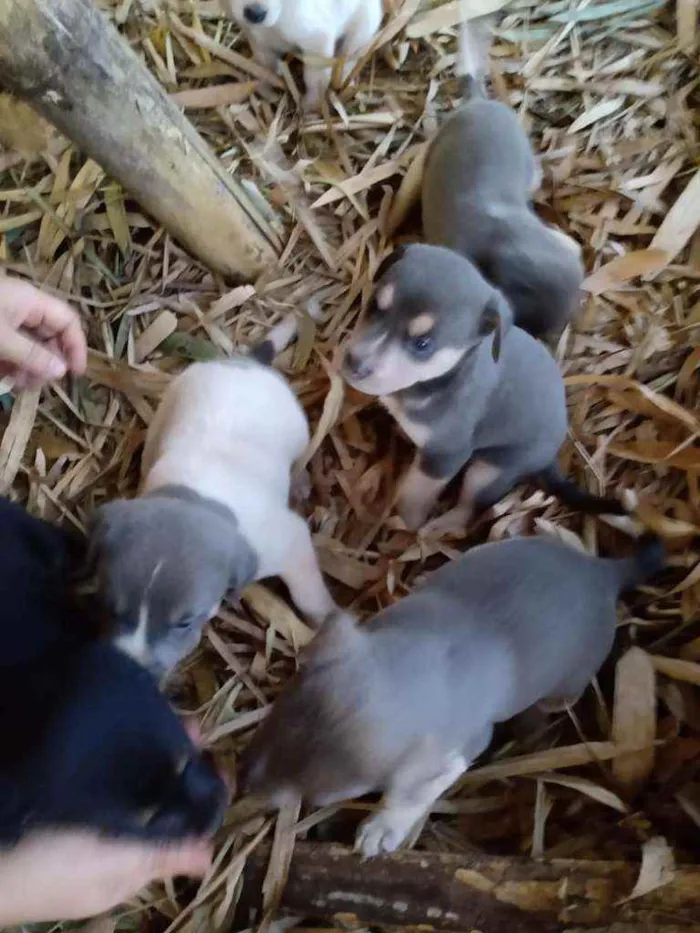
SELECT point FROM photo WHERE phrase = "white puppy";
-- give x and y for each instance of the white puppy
(213, 510)
(319, 29)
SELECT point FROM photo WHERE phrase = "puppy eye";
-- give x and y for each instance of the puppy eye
(421, 346)
(182, 624)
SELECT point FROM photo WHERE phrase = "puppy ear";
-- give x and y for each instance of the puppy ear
(389, 261)
(496, 318)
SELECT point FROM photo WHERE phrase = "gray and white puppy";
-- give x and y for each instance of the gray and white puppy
(213, 511)
(406, 702)
(467, 386)
(478, 180)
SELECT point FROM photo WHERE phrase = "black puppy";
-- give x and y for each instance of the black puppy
(86, 739)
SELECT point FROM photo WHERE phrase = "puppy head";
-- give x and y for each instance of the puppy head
(430, 307)
(540, 272)
(96, 746)
(316, 742)
(164, 564)
(249, 13)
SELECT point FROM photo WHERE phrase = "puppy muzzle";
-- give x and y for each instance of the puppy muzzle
(255, 14)
(356, 366)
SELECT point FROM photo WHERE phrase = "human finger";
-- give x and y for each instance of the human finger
(29, 307)
(29, 356)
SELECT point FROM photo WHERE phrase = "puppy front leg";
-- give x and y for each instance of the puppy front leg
(419, 491)
(360, 33)
(301, 573)
(412, 792)
(318, 69)
(479, 477)
(263, 53)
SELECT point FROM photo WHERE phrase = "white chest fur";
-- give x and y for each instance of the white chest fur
(418, 433)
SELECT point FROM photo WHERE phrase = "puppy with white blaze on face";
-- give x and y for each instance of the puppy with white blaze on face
(469, 388)
(213, 510)
(87, 741)
(504, 627)
(319, 29)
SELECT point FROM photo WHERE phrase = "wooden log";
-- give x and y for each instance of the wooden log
(68, 61)
(471, 892)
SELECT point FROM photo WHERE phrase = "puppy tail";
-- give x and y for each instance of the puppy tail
(552, 481)
(277, 340)
(473, 53)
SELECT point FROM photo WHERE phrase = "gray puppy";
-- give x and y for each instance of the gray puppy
(405, 703)
(496, 403)
(477, 186)
(213, 511)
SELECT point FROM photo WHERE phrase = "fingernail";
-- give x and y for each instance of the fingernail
(56, 369)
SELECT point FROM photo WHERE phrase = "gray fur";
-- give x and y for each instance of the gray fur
(507, 625)
(503, 402)
(510, 411)
(172, 554)
(477, 186)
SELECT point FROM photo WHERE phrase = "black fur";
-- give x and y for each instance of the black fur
(86, 739)
(566, 490)
(264, 352)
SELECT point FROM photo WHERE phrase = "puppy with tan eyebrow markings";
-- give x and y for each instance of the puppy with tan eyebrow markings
(506, 626)
(213, 510)
(468, 387)
(478, 181)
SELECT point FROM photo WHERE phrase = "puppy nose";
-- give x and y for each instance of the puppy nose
(255, 13)
(357, 366)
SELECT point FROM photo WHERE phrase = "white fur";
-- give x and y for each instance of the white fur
(315, 27)
(402, 806)
(231, 431)
(393, 369)
(414, 431)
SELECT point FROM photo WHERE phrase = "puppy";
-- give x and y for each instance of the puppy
(212, 513)
(320, 29)
(405, 703)
(478, 180)
(467, 386)
(86, 739)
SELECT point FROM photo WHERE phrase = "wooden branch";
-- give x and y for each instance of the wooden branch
(68, 61)
(468, 892)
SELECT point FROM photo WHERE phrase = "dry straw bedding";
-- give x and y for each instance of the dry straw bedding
(607, 91)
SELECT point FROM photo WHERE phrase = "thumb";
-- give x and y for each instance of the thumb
(191, 859)
(29, 356)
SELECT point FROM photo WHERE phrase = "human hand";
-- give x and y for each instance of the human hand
(40, 336)
(53, 876)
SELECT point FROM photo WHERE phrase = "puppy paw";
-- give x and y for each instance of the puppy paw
(384, 831)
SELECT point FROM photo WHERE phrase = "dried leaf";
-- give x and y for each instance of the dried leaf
(584, 786)
(624, 268)
(658, 868)
(634, 717)
(681, 222)
(687, 671)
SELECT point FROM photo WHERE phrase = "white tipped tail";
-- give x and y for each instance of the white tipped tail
(283, 334)
(277, 339)
(473, 48)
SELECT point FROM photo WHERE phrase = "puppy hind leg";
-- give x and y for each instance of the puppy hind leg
(301, 573)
